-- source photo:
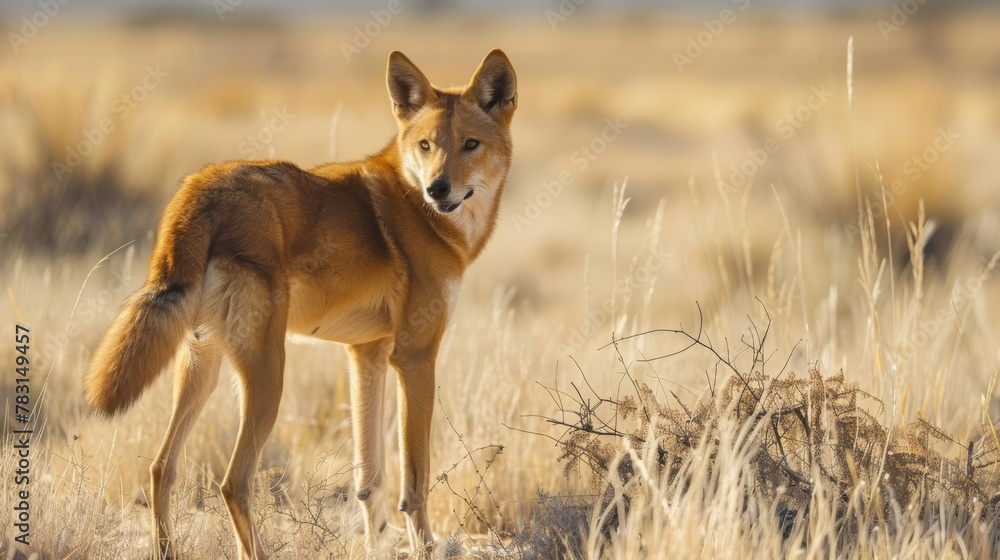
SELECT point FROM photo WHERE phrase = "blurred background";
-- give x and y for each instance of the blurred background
(673, 161)
(729, 112)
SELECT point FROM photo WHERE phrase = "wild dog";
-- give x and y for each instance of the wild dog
(367, 253)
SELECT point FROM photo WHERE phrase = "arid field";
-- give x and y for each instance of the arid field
(706, 225)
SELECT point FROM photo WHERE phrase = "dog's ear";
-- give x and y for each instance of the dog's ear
(409, 89)
(494, 86)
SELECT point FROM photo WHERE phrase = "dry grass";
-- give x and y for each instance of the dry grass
(902, 300)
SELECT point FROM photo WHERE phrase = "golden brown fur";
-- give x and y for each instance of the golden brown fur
(367, 253)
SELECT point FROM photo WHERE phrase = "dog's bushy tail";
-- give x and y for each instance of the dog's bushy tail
(153, 321)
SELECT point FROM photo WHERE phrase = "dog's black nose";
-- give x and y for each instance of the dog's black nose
(439, 189)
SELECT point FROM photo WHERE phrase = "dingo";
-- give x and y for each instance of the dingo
(367, 253)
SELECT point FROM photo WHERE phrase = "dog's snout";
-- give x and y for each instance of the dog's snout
(439, 189)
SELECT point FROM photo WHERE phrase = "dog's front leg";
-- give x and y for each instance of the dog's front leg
(368, 365)
(415, 370)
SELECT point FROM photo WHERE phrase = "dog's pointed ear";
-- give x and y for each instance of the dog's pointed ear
(409, 89)
(494, 86)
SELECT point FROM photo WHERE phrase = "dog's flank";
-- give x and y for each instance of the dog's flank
(367, 253)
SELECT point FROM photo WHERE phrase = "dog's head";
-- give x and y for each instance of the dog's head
(454, 144)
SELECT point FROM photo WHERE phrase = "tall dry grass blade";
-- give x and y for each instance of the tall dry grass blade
(746, 251)
(888, 243)
(62, 340)
(618, 205)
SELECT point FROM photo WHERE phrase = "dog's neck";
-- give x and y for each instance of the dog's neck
(466, 229)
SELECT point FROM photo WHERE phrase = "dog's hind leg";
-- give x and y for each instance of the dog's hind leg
(251, 311)
(197, 376)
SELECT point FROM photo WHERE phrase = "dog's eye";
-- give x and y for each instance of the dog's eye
(471, 144)
(425, 145)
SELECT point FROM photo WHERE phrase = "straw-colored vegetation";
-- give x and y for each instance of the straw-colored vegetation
(802, 364)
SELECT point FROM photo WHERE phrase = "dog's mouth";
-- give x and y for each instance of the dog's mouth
(449, 207)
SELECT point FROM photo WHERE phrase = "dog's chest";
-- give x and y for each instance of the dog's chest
(345, 318)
